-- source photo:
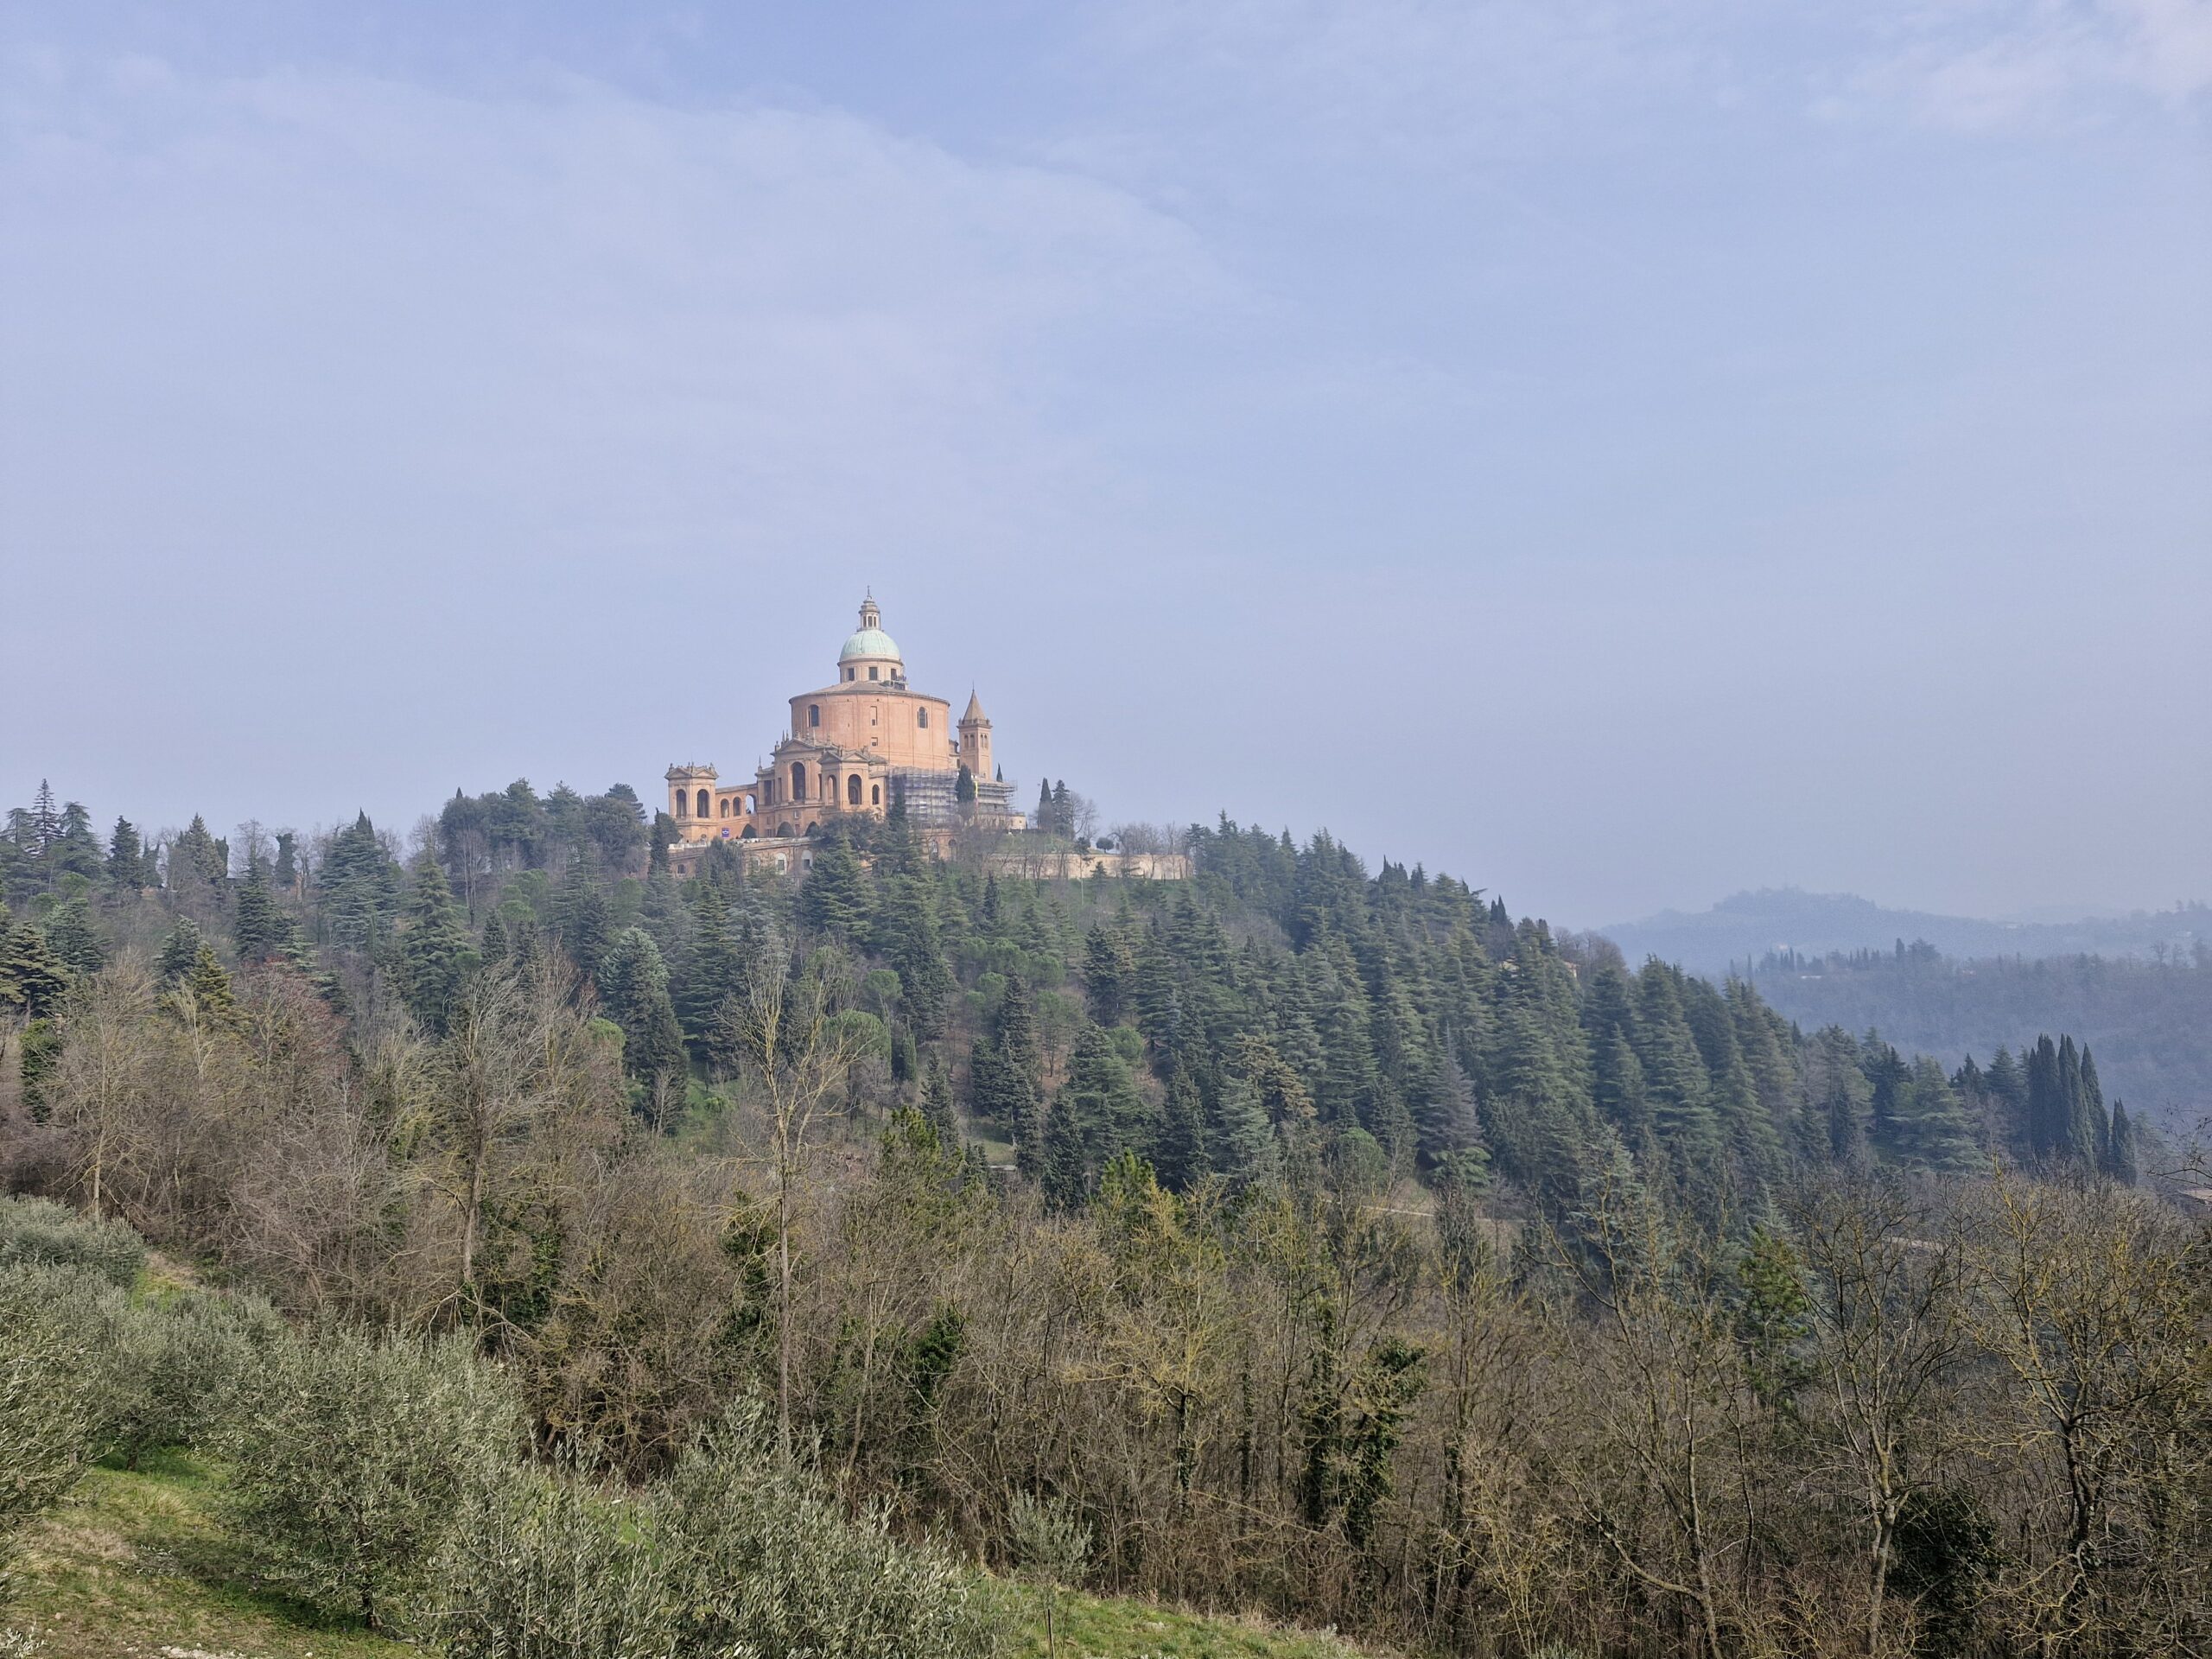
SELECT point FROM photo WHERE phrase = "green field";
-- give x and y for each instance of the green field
(139, 1564)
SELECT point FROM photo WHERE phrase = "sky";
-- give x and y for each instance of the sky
(1618, 454)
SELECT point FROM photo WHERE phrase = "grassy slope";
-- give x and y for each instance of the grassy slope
(138, 1564)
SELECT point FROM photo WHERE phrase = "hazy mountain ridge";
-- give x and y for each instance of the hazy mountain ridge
(1746, 926)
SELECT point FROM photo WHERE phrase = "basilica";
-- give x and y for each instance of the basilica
(853, 749)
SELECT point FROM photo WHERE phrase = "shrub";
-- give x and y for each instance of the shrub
(546, 1565)
(173, 1369)
(49, 1390)
(737, 1552)
(41, 1231)
(761, 1557)
(352, 1454)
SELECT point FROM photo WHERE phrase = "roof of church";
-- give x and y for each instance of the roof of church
(974, 709)
(870, 642)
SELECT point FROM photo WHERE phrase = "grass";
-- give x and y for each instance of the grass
(1094, 1627)
(137, 1564)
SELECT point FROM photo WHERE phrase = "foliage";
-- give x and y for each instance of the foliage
(351, 1453)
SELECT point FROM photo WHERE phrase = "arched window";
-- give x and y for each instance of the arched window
(814, 713)
(703, 809)
(875, 794)
(683, 804)
(798, 781)
(722, 809)
(853, 789)
(922, 718)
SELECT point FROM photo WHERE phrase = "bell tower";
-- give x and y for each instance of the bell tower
(975, 740)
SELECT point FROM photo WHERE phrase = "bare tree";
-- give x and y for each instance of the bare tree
(1886, 1315)
(798, 1056)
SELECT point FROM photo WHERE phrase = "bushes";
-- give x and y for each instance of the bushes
(736, 1552)
(352, 1455)
(174, 1367)
(49, 1393)
(39, 1230)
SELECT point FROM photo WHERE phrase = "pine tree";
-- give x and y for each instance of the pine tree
(1179, 1153)
(434, 954)
(32, 980)
(263, 929)
(492, 946)
(126, 859)
(1444, 1120)
(179, 951)
(1109, 969)
(835, 898)
(585, 921)
(714, 971)
(208, 987)
(906, 935)
(632, 982)
(360, 884)
(69, 935)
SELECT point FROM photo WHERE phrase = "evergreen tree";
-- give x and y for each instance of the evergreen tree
(360, 887)
(179, 951)
(1243, 1141)
(492, 946)
(208, 987)
(286, 876)
(632, 982)
(1098, 1114)
(835, 898)
(2120, 1158)
(1109, 969)
(585, 921)
(434, 957)
(126, 859)
(906, 934)
(936, 1103)
(1444, 1120)
(714, 972)
(263, 929)
(1179, 1155)
(69, 935)
(32, 980)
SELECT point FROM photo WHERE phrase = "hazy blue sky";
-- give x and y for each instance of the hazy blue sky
(1618, 452)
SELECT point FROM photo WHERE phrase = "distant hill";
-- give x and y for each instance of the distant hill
(1783, 920)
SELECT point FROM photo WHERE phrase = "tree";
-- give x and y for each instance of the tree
(360, 887)
(936, 1103)
(633, 990)
(586, 924)
(352, 1456)
(434, 958)
(1051, 1545)
(798, 1058)
(834, 897)
(69, 935)
(126, 859)
(261, 929)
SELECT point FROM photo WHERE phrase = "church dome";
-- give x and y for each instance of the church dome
(869, 643)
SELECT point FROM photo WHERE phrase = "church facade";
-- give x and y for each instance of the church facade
(851, 750)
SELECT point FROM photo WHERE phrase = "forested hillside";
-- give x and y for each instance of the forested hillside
(1329, 1241)
(2148, 1018)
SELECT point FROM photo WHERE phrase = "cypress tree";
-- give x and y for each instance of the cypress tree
(937, 1104)
(2120, 1158)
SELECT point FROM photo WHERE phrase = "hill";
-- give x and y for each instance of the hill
(1746, 926)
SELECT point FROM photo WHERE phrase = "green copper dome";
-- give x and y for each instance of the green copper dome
(869, 643)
